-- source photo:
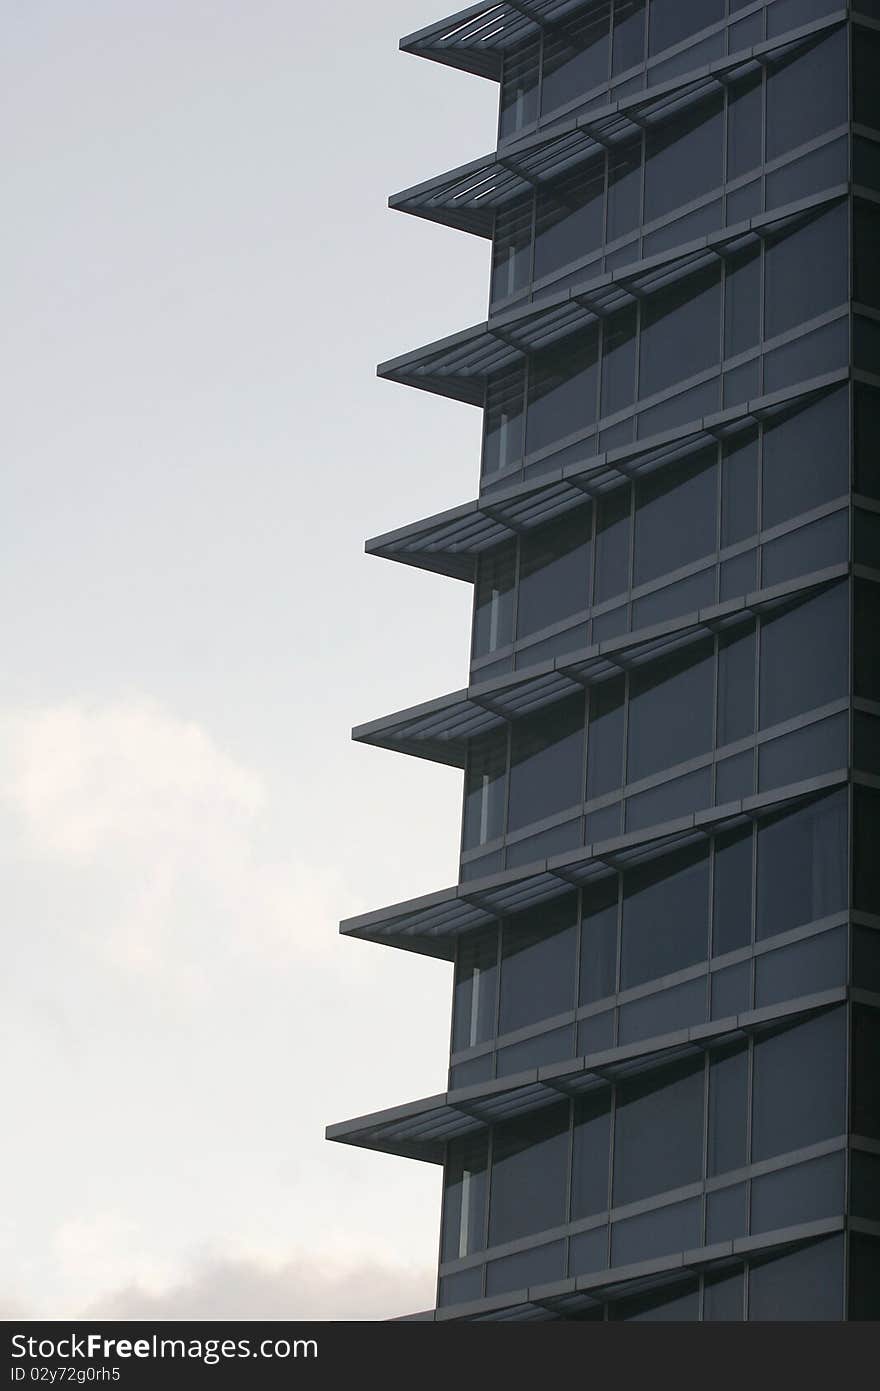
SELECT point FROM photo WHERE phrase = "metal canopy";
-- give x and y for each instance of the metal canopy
(467, 197)
(421, 1129)
(431, 923)
(460, 366)
(449, 542)
(475, 39)
(440, 729)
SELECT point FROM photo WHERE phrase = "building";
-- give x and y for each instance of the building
(663, 1087)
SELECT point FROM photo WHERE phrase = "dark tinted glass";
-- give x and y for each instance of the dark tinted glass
(619, 363)
(804, 968)
(599, 942)
(816, 436)
(670, 715)
(554, 571)
(800, 1193)
(866, 1072)
(680, 328)
(519, 88)
(728, 1108)
(493, 599)
(867, 440)
(739, 488)
(807, 94)
(512, 249)
(592, 1136)
(744, 126)
(867, 646)
(674, 20)
(665, 916)
(793, 292)
(806, 1284)
(802, 865)
(546, 763)
(464, 1199)
(679, 1305)
(723, 1298)
(484, 790)
(736, 686)
(742, 302)
(675, 516)
(476, 985)
(624, 189)
(629, 34)
(792, 680)
(503, 438)
(866, 64)
(732, 919)
(576, 57)
(867, 263)
(562, 391)
(569, 219)
(658, 1132)
(683, 158)
(538, 976)
(799, 1085)
(605, 752)
(612, 544)
(529, 1163)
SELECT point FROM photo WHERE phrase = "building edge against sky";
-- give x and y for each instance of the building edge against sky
(663, 1097)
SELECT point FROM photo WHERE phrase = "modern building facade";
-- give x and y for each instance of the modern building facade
(664, 1080)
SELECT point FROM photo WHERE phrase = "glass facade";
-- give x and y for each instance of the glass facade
(665, 1042)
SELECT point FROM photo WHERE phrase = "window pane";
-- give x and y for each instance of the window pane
(519, 88)
(866, 1073)
(866, 62)
(807, 94)
(484, 790)
(744, 119)
(612, 544)
(562, 391)
(742, 302)
(799, 1086)
(866, 868)
(592, 1137)
(683, 158)
(665, 916)
(867, 431)
(512, 249)
(674, 20)
(658, 1136)
(792, 680)
(599, 942)
(464, 1199)
(476, 983)
(680, 329)
(569, 219)
(575, 57)
(739, 488)
(529, 1163)
(806, 1284)
(493, 599)
(554, 571)
(732, 921)
(546, 763)
(503, 439)
(670, 716)
(619, 363)
(675, 516)
(605, 752)
(736, 686)
(629, 34)
(728, 1108)
(802, 865)
(624, 189)
(538, 964)
(806, 458)
(794, 293)
(867, 263)
(678, 1305)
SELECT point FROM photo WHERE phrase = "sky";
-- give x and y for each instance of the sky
(199, 274)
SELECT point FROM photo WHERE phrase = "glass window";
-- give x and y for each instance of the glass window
(562, 391)
(464, 1198)
(723, 1298)
(569, 218)
(800, 1193)
(742, 302)
(806, 457)
(612, 544)
(867, 646)
(744, 122)
(605, 753)
(529, 1164)
(592, 1138)
(806, 1284)
(624, 188)
(619, 363)
(476, 984)
(867, 433)
(739, 488)
(732, 917)
(802, 865)
(484, 790)
(866, 880)
(728, 1108)
(599, 942)
(658, 1132)
(819, 963)
(807, 93)
(670, 714)
(665, 916)
(866, 64)
(493, 599)
(576, 56)
(864, 1255)
(675, 516)
(657, 1233)
(554, 571)
(867, 264)
(736, 685)
(538, 976)
(866, 1073)
(675, 20)
(537, 1266)
(546, 763)
(503, 437)
(683, 158)
(512, 249)
(629, 34)
(793, 292)
(519, 88)
(680, 328)
(799, 1086)
(681, 1304)
(792, 681)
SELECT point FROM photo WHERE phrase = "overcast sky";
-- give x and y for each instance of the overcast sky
(199, 275)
